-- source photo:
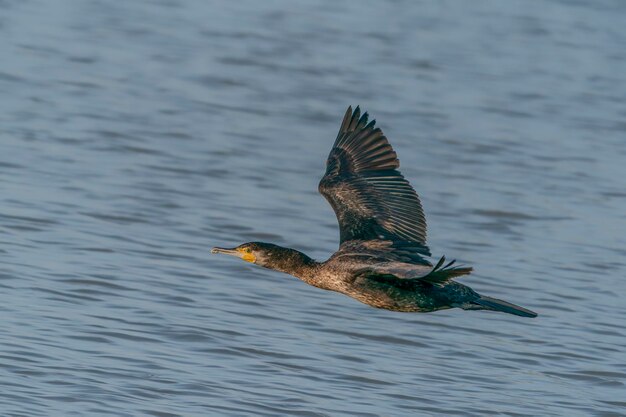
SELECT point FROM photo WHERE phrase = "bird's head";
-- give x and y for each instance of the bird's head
(259, 253)
(269, 256)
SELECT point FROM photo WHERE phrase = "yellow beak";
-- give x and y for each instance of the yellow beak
(239, 253)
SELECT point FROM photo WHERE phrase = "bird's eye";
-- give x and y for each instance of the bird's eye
(248, 250)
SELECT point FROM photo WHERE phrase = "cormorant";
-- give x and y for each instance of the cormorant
(382, 256)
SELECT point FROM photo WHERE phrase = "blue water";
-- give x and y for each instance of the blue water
(134, 136)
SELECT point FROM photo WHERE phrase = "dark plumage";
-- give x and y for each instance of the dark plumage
(382, 257)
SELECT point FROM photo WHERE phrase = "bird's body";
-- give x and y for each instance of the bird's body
(382, 257)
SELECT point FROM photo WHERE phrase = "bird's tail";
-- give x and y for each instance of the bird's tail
(489, 303)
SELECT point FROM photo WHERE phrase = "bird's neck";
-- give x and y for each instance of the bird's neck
(295, 263)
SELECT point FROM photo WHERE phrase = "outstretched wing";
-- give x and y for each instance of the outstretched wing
(370, 197)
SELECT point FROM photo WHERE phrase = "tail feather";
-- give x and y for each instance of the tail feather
(495, 304)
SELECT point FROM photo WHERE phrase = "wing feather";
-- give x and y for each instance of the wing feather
(439, 274)
(370, 197)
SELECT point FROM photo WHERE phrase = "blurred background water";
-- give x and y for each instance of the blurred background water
(136, 135)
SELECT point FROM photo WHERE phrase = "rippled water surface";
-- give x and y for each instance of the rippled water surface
(136, 135)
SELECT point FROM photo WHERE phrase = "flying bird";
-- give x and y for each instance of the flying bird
(382, 258)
